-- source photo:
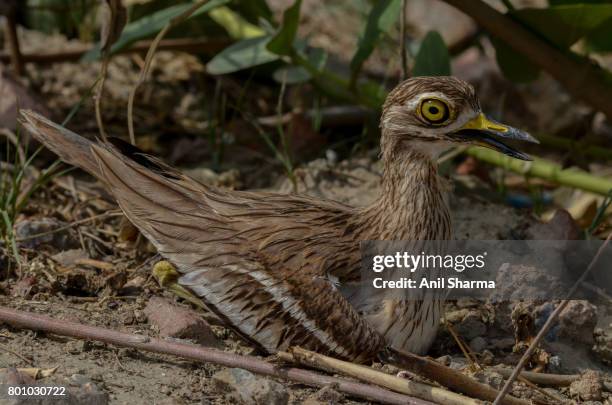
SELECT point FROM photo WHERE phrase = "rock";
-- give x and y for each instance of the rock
(177, 322)
(505, 343)
(588, 387)
(61, 240)
(133, 286)
(471, 326)
(86, 393)
(243, 387)
(325, 396)
(478, 344)
(577, 321)
(25, 287)
(561, 227)
(491, 378)
(69, 258)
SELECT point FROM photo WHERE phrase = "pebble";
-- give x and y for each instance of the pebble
(325, 396)
(471, 326)
(577, 321)
(478, 344)
(243, 387)
(588, 387)
(178, 322)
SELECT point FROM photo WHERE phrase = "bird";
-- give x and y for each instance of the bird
(274, 267)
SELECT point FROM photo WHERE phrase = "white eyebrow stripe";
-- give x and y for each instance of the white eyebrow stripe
(416, 101)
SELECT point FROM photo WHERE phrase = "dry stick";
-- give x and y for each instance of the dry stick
(149, 58)
(403, 52)
(12, 39)
(71, 225)
(446, 376)
(27, 320)
(581, 79)
(423, 391)
(549, 322)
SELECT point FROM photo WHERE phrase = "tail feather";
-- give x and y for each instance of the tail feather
(70, 147)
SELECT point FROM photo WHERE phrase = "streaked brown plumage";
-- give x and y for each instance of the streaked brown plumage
(275, 266)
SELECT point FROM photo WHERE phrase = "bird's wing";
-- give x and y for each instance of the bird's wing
(273, 302)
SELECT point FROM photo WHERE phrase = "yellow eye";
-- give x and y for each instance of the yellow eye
(434, 111)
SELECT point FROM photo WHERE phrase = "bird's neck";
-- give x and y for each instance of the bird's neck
(412, 204)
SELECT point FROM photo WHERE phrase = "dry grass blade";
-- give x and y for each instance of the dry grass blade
(113, 21)
(149, 58)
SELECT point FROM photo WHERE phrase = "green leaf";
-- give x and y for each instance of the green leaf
(433, 58)
(236, 26)
(383, 15)
(253, 10)
(150, 25)
(241, 55)
(299, 74)
(291, 75)
(282, 42)
(561, 25)
(600, 39)
(566, 24)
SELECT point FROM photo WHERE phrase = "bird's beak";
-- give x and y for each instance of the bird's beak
(482, 131)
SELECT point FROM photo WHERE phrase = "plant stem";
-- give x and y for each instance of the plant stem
(546, 170)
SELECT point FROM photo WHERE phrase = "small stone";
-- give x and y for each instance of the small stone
(577, 321)
(25, 287)
(588, 387)
(471, 326)
(325, 396)
(445, 360)
(78, 379)
(478, 344)
(502, 344)
(88, 393)
(491, 378)
(69, 258)
(561, 227)
(182, 323)
(603, 344)
(133, 286)
(140, 316)
(243, 387)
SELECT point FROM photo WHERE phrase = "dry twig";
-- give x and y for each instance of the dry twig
(26, 320)
(426, 392)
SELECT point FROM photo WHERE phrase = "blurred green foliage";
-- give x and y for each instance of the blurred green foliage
(577, 28)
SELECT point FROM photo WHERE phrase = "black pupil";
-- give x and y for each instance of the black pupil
(433, 110)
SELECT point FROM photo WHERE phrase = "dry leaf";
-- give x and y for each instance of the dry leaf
(114, 18)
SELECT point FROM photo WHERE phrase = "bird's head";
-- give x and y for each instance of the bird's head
(444, 110)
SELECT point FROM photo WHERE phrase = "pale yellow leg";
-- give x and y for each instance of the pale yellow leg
(166, 275)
